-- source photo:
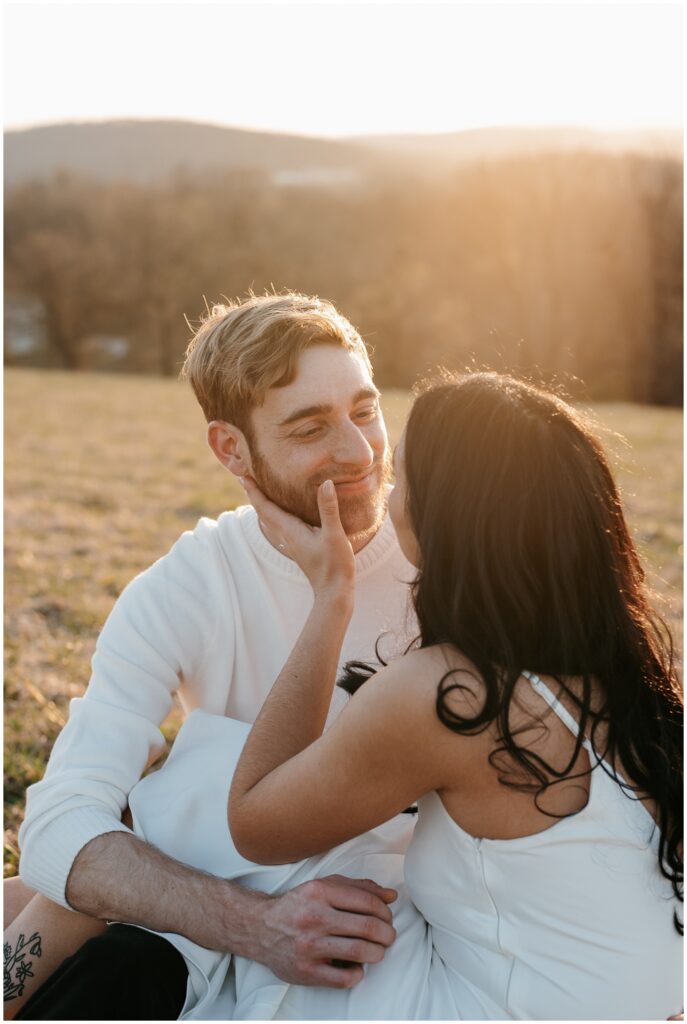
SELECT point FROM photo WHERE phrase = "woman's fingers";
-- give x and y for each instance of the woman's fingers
(280, 524)
(262, 504)
(324, 554)
(277, 518)
(332, 529)
(328, 505)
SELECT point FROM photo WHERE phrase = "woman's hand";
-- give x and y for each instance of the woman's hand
(324, 553)
(295, 712)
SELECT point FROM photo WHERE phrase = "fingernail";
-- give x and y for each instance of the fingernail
(328, 489)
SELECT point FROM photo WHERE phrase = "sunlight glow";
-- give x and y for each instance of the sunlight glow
(337, 69)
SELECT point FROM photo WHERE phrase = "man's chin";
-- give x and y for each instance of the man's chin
(363, 514)
(360, 516)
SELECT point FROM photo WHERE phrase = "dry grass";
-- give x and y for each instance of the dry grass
(102, 473)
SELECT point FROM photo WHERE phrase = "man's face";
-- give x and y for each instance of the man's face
(325, 424)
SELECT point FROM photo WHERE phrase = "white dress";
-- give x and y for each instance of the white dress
(572, 923)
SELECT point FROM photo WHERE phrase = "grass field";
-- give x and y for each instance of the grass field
(102, 473)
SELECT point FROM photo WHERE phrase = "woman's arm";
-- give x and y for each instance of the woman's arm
(296, 709)
(386, 749)
(296, 792)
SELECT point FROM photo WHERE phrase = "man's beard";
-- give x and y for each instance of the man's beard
(361, 514)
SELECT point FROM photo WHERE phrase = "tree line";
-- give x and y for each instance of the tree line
(566, 266)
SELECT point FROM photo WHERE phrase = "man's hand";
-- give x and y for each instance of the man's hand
(118, 877)
(302, 935)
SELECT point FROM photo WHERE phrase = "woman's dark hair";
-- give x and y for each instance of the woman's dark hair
(527, 563)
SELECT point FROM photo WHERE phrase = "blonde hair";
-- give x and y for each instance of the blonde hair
(242, 349)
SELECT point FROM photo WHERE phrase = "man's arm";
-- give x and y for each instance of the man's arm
(156, 633)
(76, 849)
(119, 877)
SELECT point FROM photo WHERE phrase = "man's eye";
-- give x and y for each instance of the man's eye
(310, 432)
(367, 414)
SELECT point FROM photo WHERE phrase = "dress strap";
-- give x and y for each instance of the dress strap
(545, 693)
(540, 687)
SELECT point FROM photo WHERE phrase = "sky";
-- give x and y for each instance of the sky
(346, 69)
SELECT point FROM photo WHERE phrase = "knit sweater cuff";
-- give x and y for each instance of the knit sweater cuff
(47, 858)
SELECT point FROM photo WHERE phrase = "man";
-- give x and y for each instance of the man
(286, 386)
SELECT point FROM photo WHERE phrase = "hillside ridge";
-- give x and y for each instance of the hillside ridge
(152, 150)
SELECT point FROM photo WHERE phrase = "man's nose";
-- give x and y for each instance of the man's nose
(352, 447)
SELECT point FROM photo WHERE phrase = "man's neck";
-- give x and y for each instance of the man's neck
(361, 540)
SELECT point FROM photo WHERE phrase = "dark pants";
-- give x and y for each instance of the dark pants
(124, 974)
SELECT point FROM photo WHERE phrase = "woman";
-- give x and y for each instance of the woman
(537, 724)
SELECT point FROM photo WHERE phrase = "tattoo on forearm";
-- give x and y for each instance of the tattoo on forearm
(17, 966)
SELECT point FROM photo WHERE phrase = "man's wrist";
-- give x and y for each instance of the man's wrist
(119, 877)
(242, 920)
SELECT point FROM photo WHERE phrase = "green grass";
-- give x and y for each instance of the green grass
(102, 473)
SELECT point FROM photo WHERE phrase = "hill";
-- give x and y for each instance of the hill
(148, 151)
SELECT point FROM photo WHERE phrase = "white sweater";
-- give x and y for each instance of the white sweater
(215, 619)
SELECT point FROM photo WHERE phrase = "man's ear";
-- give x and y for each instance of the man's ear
(230, 447)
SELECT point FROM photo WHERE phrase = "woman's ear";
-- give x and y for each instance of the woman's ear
(230, 447)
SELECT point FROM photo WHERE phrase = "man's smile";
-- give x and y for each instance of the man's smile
(359, 484)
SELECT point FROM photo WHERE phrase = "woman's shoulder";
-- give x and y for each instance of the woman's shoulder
(397, 711)
(441, 662)
(414, 679)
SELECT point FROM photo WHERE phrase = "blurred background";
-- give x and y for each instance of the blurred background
(492, 182)
(471, 184)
